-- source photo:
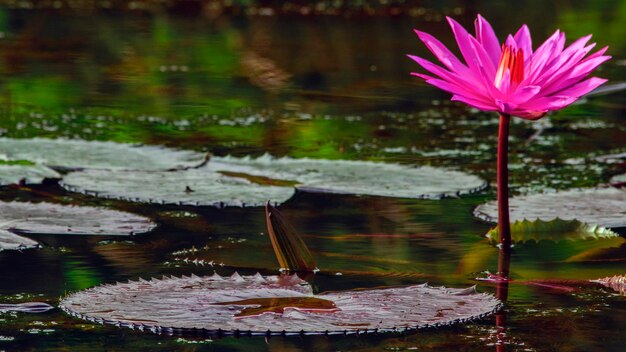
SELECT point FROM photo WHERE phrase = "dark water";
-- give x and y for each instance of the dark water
(324, 86)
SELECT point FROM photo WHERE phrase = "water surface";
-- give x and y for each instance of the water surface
(321, 86)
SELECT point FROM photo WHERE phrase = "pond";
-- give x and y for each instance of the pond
(329, 81)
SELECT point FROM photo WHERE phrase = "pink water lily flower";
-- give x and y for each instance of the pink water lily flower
(511, 78)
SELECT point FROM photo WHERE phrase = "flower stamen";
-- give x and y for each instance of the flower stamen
(513, 61)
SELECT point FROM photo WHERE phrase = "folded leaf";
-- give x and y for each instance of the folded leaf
(289, 247)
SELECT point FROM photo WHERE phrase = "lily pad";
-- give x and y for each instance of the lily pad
(555, 230)
(190, 187)
(49, 218)
(617, 283)
(11, 241)
(78, 154)
(611, 158)
(28, 307)
(29, 174)
(602, 206)
(618, 180)
(230, 181)
(258, 305)
(355, 177)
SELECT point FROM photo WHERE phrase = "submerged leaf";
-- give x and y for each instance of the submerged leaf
(77, 154)
(354, 177)
(48, 218)
(555, 230)
(29, 174)
(603, 206)
(189, 187)
(289, 247)
(272, 305)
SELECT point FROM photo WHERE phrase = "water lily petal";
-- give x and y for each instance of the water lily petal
(505, 84)
(510, 41)
(455, 89)
(524, 41)
(574, 76)
(483, 60)
(565, 61)
(583, 87)
(478, 104)
(523, 94)
(587, 66)
(462, 39)
(543, 56)
(488, 39)
(470, 86)
(596, 54)
(441, 52)
(530, 115)
(548, 103)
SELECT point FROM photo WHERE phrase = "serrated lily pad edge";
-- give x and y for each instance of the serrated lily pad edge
(216, 204)
(26, 243)
(427, 196)
(176, 331)
(480, 215)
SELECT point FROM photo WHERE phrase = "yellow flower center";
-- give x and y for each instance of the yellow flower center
(512, 60)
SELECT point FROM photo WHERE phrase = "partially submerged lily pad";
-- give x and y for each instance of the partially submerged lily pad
(190, 187)
(11, 241)
(49, 218)
(555, 230)
(78, 154)
(355, 177)
(602, 206)
(272, 305)
(29, 174)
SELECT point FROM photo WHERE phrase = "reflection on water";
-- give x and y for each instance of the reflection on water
(329, 86)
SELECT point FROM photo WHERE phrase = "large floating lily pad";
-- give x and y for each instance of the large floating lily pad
(11, 241)
(76, 154)
(602, 206)
(48, 218)
(192, 186)
(272, 305)
(355, 177)
(247, 181)
(29, 174)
